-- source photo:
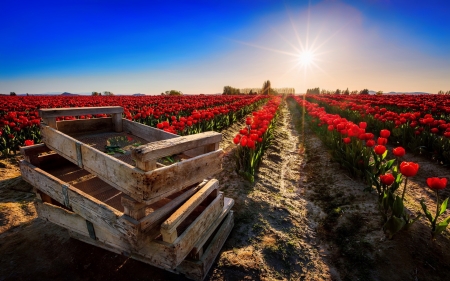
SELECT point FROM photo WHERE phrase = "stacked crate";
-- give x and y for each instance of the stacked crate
(170, 215)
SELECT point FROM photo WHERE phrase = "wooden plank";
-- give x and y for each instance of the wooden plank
(81, 203)
(133, 208)
(145, 132)
(158, 149)
(198, 269)
(34, 149)
(169, 226)
(77, 111)
(167, 180)
(82, 126)
(66, 146)
(186, 241)
(228, 203)
(51, 122)
(117, 122)
(77, 224)
(158, 216)
(122, 176)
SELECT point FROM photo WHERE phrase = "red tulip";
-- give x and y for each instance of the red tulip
(437, 183)
(382, 141)
(385, 133)
(243, 141)
(409, 169)
(237, 139)
(347, 140)
(362, 125)
(399, 151)
(387, 179)
(370, 143)
(380, 149)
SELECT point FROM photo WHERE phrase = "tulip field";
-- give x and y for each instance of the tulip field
(326, 187)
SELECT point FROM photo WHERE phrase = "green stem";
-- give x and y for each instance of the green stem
(404, 188)
(437, 210)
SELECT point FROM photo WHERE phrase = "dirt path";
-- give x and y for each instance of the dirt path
(304, 218)
(274, 235)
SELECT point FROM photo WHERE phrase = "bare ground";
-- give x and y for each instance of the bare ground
(304, 218)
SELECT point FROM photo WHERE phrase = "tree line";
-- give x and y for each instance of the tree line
(266, 89)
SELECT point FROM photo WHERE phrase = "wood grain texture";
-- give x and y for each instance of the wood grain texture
(186, 240)
(81, 203)
(169, 226)
(198, 269)
(83, 126)
(155, 218)
(77, 111)
(167, 180)
(158, 149)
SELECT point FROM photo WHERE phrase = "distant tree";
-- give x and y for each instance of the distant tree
(162, 94)
(354, 92)
(440, 92)
(96, 93)
(364, 92)
(337, 92)
(313, 91)
(228, 90)
(251, 92)
(346, 92)
(266, 87)
(107, 93)
(379, 93)
(12, 93)
(174, 93)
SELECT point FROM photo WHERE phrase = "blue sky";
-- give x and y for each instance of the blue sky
(200, 46)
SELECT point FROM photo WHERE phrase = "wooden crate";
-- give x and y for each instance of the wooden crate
(137, 173)
(182, 233)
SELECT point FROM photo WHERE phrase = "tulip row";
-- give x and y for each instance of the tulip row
(19, 118)
(253, 140)
(415, 130)
(358, 152)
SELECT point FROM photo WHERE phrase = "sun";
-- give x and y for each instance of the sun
(306, 58)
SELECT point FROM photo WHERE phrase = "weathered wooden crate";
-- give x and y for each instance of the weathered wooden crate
(137, 173)
(182, 232)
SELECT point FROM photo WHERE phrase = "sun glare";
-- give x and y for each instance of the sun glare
(306, 58)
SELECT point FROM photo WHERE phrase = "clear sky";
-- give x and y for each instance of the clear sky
(148, 47)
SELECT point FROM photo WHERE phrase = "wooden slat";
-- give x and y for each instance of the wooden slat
(158, 216)
(117, 122)
(167, 180)
(145, 132)
(77, 224)
(82, 126)
(169, 226)
(34, 149)
(197, 269)
(66, 146)
(82, 203)
(122, 176)
(158, 149)
(133, 208)
(186, 241)
(228, 203)
(50, 121)
(77, 111)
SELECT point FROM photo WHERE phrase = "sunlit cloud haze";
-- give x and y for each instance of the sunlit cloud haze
(201, 47)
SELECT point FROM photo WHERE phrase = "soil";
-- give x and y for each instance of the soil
(303, 218)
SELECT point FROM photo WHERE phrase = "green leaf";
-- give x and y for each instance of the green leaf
(384, 154)
(443, 206)
(389, 164)
(397, 208)
(393, 225)
(427, 213)
(441, 226)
